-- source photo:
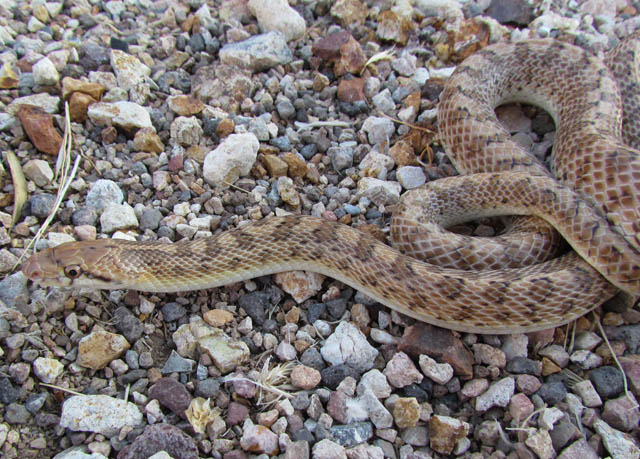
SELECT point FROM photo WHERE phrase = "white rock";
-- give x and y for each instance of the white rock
(49, 104)
(186, 131)
(411, 177)
(379, 191)
(130, 72)
(278, 15)
(7, 121)
(45, 73)
(118, 216)
(617, 443)
(326, 449)
(443, 72)
(588, 393)
(99, 413)
(540, 443)
(376, 164)
(226, 353)
(376, 411)
(376, 381)
(498, 394)
(347, 345)
(56, 238)
(115, 8)
(233, 158)
(4, 430)
(586, 359)
(34, 24)
(127, 115)
(78, 452)
(378, 129)
(440, 373)
(301, 285)
(550, 20)
(47, 370)
(39, 171)
(444, 9)
(549, 417)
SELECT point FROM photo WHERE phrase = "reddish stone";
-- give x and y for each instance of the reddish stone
(39, 128)
(439, 344)
(171, 394)
(175, 163)
(343, 50)
(78, 104)
(352, 58)
(351, 90)
(328, 48)
(236, 413)
(109, 134)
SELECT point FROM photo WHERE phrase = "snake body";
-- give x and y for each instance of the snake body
(591, 199)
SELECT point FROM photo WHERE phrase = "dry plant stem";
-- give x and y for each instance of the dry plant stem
(19, 187)
(63, 175)
(615, 359)
(63, 389)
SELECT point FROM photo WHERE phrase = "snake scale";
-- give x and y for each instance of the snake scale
(591, 198)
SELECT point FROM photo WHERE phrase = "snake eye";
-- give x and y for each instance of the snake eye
(72, 272)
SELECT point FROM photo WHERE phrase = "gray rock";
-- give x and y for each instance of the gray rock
(177, 364)
(607, 380)
(341, 157)
(384, 102)
(16, 413)
(42, 204)
(352, 434)
(150, 219)
(552, 392)
(260, 52)
(14, 292)
(84, 216)
(103, 193)
(128, 324)
(285, 109)
(35, 402)
(208, 388)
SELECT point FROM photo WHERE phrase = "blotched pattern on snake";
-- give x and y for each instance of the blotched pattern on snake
(591, 198)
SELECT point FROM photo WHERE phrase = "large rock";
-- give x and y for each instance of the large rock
(232, 159)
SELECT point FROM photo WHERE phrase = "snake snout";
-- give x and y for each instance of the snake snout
(31, 269)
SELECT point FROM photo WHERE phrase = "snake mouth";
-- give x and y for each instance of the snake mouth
(42, 269)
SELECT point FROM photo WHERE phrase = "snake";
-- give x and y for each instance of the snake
(590, 196)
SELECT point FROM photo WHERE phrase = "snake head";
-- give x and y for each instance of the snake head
(68, 265)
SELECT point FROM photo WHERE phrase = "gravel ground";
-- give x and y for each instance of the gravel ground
(194, 117)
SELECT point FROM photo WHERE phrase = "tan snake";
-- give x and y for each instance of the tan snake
(598, 215)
